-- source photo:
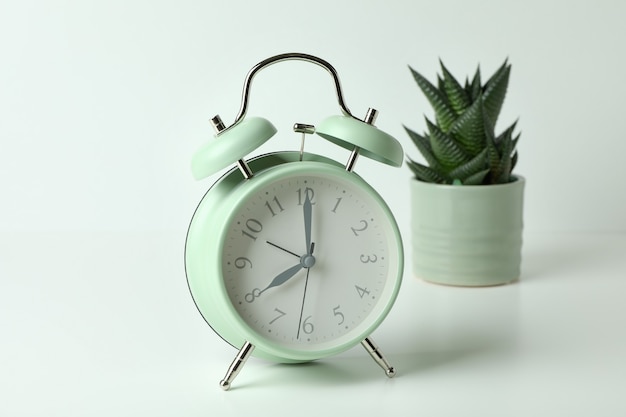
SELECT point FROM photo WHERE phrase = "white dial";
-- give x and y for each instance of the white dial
(311, 259)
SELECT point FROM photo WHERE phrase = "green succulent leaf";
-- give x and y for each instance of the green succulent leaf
(444, 113)
(514, 160)
(478, 178)
(493, 156)
(505, 135)
(448, 153)
(506, 148)
(494, 91)
(470, 168)
(423, 145)
(476, 87)
(469, 129)
(515, 142)
(462, 147)
(440, 84)
(424, 173)
(457, 96)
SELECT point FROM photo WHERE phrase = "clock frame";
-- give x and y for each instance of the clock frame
(215, 276)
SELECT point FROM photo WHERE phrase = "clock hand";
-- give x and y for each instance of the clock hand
(283, 277)
(306, 261)
(283, 249)
(306, 284)
(307, 209)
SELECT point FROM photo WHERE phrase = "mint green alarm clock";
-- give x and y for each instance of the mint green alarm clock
(292, 256)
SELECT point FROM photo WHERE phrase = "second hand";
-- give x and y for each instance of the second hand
(306, 284)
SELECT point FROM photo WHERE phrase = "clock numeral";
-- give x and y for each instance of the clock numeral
(334, 210)
(302, 195)
(251, 296)
(368, 258)
(280, 314)
(276, 203)
(307, 326)
(339, 314)
(362, 291)
(363, 227)
(253, 226)
(241, 262)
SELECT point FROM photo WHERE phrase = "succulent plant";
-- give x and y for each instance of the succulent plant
(461, 147)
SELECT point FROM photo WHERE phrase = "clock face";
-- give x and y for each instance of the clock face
(311, 260)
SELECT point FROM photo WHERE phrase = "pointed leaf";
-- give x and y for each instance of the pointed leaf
(423, 145)
(457, 96)
(469, 129)
(476, 87)
(505, 160)
(515, 141)
(444, 114)
(446, 150)
(493, 156)
(478, 178)
(514, 160)
(506, 135)
(475, 165)
(495, 90)
(424, 173)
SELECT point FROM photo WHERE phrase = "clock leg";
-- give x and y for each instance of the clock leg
(235, 367)
(378, 357)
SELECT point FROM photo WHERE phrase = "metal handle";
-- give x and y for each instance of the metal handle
(289, 57)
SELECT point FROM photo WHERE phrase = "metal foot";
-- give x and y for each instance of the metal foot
(372, 349)
(235, 367)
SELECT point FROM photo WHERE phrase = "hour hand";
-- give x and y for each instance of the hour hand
(284, 276)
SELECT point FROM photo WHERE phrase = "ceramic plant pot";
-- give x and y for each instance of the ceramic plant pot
(467, 235)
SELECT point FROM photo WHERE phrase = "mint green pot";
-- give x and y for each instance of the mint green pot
(467, 235)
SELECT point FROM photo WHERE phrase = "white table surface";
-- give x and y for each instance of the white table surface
(102, 324)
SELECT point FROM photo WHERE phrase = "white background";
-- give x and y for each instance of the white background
(102, 105)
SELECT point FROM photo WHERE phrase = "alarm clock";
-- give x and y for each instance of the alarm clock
(292, 256)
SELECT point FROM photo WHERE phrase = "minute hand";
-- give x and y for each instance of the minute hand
(307, 209)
